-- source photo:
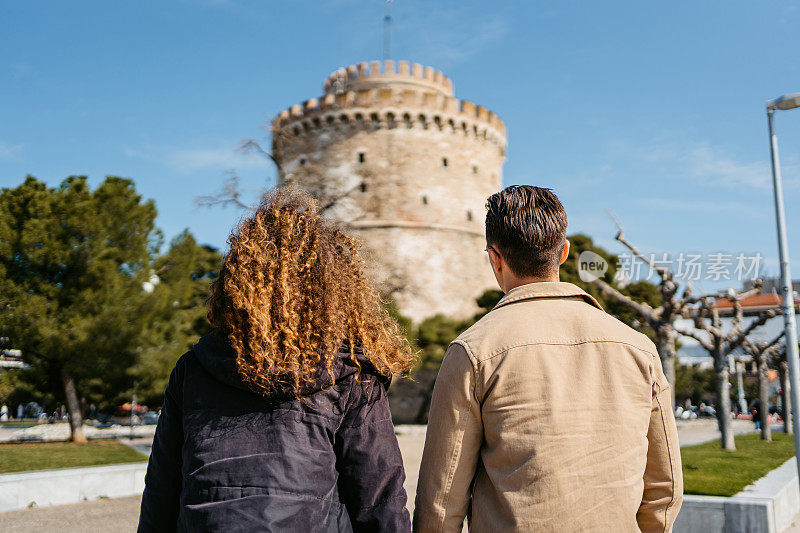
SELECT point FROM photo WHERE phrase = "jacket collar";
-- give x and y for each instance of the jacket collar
(546, 289)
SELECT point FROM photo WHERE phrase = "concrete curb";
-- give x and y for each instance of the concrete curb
(70, 485)
(767, 506)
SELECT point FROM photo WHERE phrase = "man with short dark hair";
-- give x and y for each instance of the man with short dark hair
(548, 414)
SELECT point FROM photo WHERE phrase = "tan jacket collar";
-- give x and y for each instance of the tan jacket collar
(546, 289)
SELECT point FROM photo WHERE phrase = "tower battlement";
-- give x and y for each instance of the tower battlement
(417, 98)
(378, 73)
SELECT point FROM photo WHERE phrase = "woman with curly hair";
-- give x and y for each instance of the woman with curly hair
(278, 420)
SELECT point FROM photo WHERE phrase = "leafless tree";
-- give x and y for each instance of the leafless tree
(762, 353)
(720, 343)
(308, 176)
(230, 195)
(661, 319)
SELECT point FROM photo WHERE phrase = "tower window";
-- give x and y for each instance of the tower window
(469, 216)
(363, 187)
(474, 169)
(444, 161)
(362, 157)
(424, 200)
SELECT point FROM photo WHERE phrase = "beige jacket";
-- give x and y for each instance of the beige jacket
(550, 415)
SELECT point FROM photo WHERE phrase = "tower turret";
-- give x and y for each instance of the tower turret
(407, 168)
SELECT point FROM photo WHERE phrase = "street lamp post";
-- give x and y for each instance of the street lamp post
(785, 102)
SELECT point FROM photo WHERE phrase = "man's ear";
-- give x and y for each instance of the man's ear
(564, 253)
(495, 259)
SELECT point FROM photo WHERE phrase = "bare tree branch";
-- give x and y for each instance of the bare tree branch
(708, 346)
(331, 200)
(774, 343)
(647, 312)
(663, 272)
(230, 195)
(735, 341)
(251, 145)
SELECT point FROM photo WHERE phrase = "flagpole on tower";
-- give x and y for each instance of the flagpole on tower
(387, 30)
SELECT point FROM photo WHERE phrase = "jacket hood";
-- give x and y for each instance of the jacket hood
(215, 354)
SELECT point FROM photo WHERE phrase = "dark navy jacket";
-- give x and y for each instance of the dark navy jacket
(227, 459)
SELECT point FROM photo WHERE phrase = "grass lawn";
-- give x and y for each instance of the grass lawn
(20, 457)
(19, 424)
(710, 470)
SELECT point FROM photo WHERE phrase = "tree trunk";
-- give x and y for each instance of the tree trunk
(724, 402)
(783, 372)
(73, 407)
(666, 352)
(763, 396)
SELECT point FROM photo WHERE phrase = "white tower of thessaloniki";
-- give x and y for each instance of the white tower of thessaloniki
(406, 167)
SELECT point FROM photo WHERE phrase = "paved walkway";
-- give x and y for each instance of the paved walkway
(60, 432)
(121, 514)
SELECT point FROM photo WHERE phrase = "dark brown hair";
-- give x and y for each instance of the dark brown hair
(528, 226)
(291, 293)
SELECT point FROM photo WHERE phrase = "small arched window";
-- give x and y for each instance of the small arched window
(444, 161)
(424, 200)
(469, 216)
(362, 157)
(474, 169)
(363, 187)
(303, 161)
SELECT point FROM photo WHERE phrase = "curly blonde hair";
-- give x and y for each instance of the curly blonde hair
(292, 294)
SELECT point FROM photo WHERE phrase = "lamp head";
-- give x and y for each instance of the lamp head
(785, 102)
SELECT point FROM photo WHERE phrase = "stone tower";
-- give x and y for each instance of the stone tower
(406, 167)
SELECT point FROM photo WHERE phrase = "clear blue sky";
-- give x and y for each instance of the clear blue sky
(652, 110)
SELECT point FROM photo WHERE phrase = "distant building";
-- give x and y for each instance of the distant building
(753, 305)
(407, 168)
